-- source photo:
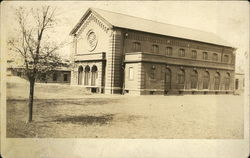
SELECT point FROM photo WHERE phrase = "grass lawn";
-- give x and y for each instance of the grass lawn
(61, 111)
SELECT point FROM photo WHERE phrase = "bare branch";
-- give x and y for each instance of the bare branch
(39, 55)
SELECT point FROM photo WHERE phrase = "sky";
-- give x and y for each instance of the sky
(227, 19)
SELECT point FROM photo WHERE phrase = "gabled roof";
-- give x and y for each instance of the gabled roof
(139, 24)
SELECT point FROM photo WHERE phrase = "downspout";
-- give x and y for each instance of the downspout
(123, 64)
(74, 77)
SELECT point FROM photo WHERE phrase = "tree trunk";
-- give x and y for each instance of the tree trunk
(31, 96)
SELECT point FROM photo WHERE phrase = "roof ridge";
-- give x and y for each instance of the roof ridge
(154, 21)
(157, 27)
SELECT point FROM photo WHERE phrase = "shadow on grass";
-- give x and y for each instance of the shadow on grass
(86, 119)
(55, 102)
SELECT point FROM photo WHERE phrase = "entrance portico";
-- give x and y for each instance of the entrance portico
(89, 73)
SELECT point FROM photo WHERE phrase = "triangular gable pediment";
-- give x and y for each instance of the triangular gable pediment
(90, 15)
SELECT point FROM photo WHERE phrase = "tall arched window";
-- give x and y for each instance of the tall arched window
(94, 75)
(152, 72)
(227, 81)
(181, 77)
(206, 80)
(194, 79)
(168, 79)
(80, 70)
(86, 77)
(217, 81)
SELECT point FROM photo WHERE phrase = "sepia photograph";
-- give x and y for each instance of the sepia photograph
(125, 70)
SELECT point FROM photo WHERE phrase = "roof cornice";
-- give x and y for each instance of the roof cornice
(84, 17)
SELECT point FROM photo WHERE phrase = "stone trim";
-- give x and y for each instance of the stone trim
(95, 19)
(175, 41)
(166, 63)
(183, 58)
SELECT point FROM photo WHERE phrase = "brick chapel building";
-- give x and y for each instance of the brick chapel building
(117, 53)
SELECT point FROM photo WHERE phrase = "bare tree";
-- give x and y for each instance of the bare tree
(33, 43)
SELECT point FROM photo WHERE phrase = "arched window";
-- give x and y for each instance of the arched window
(136, 47)
(205, 56)
(215, 57)
(194, 54)
(181, 77)
(94, 75)
(206, 80)
(181, 52)
(86, 77)
(226, 58)
(169, 51)
(168, 79)
(80, 70)
(194, 79)
(155, 48)
(227, 81)
(217, 81)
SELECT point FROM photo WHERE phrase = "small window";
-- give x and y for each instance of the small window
(205, 56)
(226, 58)
(65, 77)
(215, 57)
(155, 48)
(181, 52)
(136, 47)
(194, 54)
(169, 51)
(152, 72)
(131, 73)
(55, 77)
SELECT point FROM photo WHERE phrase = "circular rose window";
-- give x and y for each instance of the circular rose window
(91, 40)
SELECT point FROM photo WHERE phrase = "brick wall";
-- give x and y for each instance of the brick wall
(145, 59)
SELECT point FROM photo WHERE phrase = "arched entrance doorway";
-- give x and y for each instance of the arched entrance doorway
(94, 75)
(86, 77)
(80, 73)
